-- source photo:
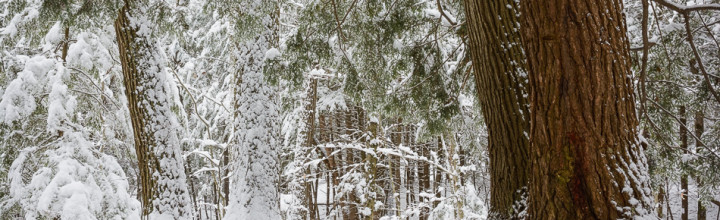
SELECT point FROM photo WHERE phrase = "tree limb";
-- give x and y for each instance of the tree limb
(442, 12)
(686, 9)
(645, 48)
(699, 59)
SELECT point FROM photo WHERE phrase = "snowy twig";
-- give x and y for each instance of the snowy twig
(102, 93)
(685, 9)
(207, 125)
(442, 12)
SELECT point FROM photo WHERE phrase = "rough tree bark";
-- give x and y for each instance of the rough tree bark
(162, 189)
(500, 78)
(586, 162)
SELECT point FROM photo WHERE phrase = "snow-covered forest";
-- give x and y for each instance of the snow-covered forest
(359, 109)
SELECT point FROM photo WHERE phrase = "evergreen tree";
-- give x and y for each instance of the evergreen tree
(255, 169)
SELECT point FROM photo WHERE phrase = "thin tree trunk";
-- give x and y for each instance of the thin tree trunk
(225, 177)
(699, 130)
(372, 170)
(328, 184)
(396, 167)
(500, 78)
(661, 200)
(684, 178)
(438, 175)
(702, 211)
(316, 196)
(586, 162)
(667, 201)
(308, 195)
(65, 44)
(349, 211)
(424, 176)
(309, 141)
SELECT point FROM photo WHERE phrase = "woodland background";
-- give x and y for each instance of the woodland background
(354, 109)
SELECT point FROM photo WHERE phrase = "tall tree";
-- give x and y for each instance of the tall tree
(684, 178)
(257, 126)
(163, 187)
(699, 130)
(586, 162)
(500, 77)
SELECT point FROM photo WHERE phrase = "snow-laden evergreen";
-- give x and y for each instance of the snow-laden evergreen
(157, 123)
(255, 172)
(70, 178)
(65, 164)
(77, 182)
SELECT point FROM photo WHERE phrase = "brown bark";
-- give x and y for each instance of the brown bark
(699, 130)
(585, 159)
(702, 211)
(225, 176)
(65, 44)
(146, 161)
(716, 202)
(136, 52)
(499, 68)
(310, 141)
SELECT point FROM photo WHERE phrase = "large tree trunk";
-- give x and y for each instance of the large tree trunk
(500, 78)
(163, 189)
(586, 162)
(256, 171)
